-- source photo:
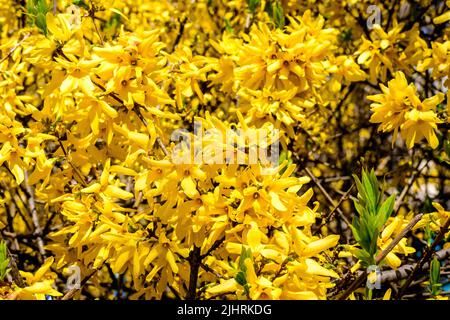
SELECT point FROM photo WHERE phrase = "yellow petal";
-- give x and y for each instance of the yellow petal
(43, 269)
(387, 295)
(317, 246)
(276, 202)
(171, 260)
(189, 187)
(94, 188)
(229, 285)
(442, 18)
(393, 261)
(116, 192)
(121, 260)
(315, 268)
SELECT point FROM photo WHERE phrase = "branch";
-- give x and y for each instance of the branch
(15, 47)
(381, 256)
(194, 263)
(405, 190)
(404, 271)
(34, 217)
(425, 258)
(215, 245)
(398, 238)
(331, 214)
(180, 34)
(17, 278)
(71, 293)
(327, 196)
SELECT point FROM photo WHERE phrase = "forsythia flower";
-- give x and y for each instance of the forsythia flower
(399, 108)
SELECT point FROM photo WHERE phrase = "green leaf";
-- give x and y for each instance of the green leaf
(241, 278)
(253, 4)
(228, 26)
(81, 4)
(346, 35)
(41, 23)
(42, 6)
(371, 215)
(278, 15)
(385, 210)
(4, 261)
(447, 147)
(37, 10)
(364, 257)
(245, 254)
(435, 275)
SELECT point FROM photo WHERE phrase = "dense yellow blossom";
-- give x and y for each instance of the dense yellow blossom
(205, 149)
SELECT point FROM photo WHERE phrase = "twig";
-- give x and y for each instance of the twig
(144, 121)
(342, 199)
(398, 238)
(327, 196)
(71, 293)
(194, 263)
(175, 292)
(404, 271)
(92, 15)
(381, 256)
(34, 217)
(15, 47)
(210, 270)
(405, 190)
(215, 245)
(180, 34)
(425, 258)
(17, 278)
(82, 181)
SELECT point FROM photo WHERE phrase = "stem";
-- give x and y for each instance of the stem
(381, 256)
(17, 278)
(34, 217)
(194, 263)
(424, 258)
(71, 293)
(327, 196)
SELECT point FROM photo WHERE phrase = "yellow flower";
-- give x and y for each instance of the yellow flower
(39, 285)
(398, 107)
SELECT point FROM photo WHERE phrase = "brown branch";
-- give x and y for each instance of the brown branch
(92, 15)
(71, 293)
(215, 245)
(405, 190)
(194, 263)
(138, 112)
(327, 196)
(180, 34)
(75, 169)
(404, 271)
(425, 258)
(398, 238)
(15, 274)
(381, 256)
(342, 199)
(175, 292)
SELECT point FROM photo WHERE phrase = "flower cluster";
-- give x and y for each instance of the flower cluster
(205, 149)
